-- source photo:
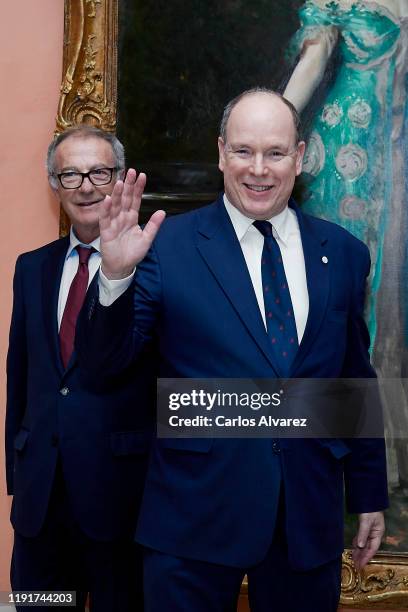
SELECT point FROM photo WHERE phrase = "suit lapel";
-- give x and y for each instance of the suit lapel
(220, 248)
(51, 277)
(315, 249)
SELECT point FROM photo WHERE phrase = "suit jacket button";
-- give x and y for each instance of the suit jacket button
(64, 391)
(276, 447)
(54, 440)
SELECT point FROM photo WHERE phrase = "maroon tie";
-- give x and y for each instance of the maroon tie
(74, 303)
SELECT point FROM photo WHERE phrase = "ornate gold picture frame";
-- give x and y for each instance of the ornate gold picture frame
(89, 95)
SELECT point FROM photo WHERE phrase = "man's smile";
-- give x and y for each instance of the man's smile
(258, 188)
(88, 203)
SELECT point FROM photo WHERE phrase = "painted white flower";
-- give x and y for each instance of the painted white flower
(351, 162)
(314, 158)
(359, 114)
(353, 208)
(332, 114)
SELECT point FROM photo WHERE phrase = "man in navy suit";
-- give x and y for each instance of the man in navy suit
(216, 509)
(76, 456)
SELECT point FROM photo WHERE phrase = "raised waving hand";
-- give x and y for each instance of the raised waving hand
(123, 242)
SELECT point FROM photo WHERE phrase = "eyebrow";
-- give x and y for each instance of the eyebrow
(277, 145)
(75, 169)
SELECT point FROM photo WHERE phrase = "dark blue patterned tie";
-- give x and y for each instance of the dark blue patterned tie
(280, 319)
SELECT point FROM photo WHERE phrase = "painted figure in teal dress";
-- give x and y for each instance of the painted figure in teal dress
(354, 163)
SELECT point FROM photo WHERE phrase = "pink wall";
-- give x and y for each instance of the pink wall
(31, 36)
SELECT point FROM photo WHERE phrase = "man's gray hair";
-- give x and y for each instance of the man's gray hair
(84, 131)
(249, 92)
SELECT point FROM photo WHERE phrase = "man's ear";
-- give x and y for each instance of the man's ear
(53, 183)
(221, 154)
(121, 175)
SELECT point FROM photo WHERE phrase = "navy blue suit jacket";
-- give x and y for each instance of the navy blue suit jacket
(102, 436)
(215, 499)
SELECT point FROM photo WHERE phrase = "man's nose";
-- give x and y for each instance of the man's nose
(86, 186)
(258, 166)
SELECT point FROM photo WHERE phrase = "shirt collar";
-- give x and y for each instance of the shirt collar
(284, 224)
(74, 242)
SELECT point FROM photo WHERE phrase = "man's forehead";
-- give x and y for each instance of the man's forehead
(261, 125)
(83, 146)
(260, 109)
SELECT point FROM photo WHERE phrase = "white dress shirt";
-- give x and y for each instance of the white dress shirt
(71, 266)
(287, 233)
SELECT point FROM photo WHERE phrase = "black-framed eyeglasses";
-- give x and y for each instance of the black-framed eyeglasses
(98, 177)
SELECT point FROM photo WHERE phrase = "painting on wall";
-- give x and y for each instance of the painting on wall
(351, 66)
(203, 54)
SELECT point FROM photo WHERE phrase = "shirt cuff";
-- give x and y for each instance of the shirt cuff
(111, 290)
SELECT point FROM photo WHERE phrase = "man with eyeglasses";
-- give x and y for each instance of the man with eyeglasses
(247, 287)
(76, 456)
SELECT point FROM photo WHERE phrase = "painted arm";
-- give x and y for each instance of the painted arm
(310, 68)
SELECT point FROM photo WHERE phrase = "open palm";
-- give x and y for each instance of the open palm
(123, 243)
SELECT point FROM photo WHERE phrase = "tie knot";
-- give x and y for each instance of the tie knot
(84, 254)
(265, 227)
